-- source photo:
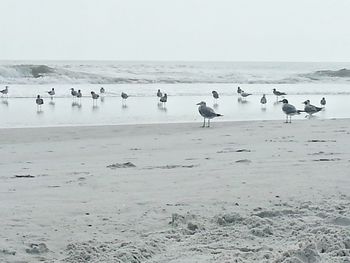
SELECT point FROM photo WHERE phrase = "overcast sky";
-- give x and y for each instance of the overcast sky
(230, 30)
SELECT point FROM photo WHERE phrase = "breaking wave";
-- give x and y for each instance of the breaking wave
(145, 73)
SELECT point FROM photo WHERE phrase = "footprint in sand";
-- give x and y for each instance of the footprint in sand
(244, 161)
(37, 248)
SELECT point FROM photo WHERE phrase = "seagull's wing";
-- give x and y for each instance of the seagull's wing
(315, 109)
(207, 112)
(289, 109)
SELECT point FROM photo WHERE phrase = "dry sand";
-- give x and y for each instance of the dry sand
(235, 192)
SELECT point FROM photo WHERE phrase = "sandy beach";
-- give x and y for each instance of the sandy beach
(259, 191)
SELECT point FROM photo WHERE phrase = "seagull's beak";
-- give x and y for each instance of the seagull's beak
(198, 103)
(280, 101)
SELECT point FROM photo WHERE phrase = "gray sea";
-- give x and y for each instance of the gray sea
(186, 83)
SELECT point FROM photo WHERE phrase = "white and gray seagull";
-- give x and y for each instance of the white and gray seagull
(207, 112)
(94, 98)
(245, 94)
(310, 109)
(323, 102)
(215, 95)
(39, 101)
(124, 97)
(51, 93)
(5, 91)
(278, 93)
(73, 92)
(263, 100)
(79, 95)
(289, 110)
(159, 93)
(164, 99)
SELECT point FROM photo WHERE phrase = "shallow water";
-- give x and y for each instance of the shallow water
(20, 110)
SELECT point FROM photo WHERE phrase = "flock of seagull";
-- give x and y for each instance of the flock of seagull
(206, 112)
(290, 110)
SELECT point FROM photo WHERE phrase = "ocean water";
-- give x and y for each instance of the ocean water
(186, 84)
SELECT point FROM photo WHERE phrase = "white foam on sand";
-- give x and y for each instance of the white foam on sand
(177, 193)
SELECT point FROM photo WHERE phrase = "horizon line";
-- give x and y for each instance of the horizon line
(164, 61)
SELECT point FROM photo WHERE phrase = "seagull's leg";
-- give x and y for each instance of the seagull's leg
(208, 122)
(203, 123)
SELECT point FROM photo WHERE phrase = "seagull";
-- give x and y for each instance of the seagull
(39, 101)
(102, 90)
(79, 95)
(310, 109)
(215, 95)
(51, 92)
(244, 94)
(5, 91)
(289, 110)
(207, 112)
(124, 97)
(278, 93)
(239, 90)
(94, 97)
(263, 100)
(323, 102)
(164, 98)
(73, 92)
(159, 93)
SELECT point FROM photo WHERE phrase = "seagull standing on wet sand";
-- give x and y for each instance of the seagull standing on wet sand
(278, 93)
(52, 92)
(244, 94)
(124, 96)
(94, 98)
(215, 95)
(289, 110)
(159, 93)
(73, 92)
(102, 90)
(5, 91)
(39, 101)
(79, 95)
(310, 109)
(164, 99)
(207, 112)
(263, 100)
(239, 90)
(323, 102)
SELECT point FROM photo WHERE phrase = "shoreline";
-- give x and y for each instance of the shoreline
(212, 123)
